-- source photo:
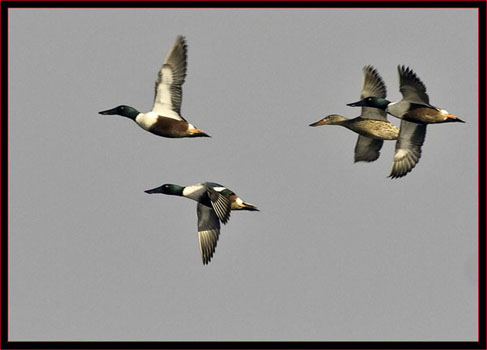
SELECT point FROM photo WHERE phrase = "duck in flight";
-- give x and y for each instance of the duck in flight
(372, 125)
(165, 118)
(214, 205)
(415, 113)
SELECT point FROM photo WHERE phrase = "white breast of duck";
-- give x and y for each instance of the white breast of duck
(146, 120)
(195, 192)
(398, 109)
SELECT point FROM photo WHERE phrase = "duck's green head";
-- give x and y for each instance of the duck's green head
(125, 111)
(374, 102)
(171, 189)
(329, 120)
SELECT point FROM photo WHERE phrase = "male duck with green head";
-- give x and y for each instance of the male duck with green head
(415, 113)
(214, 204)
(165, 118)
(372, 125)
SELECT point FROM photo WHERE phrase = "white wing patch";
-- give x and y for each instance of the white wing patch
(163, 105)
(400, 154)
(169, 81)
(219, 189)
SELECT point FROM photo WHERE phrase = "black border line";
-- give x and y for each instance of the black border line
(246, 4)
(4, 179)
(482, 165)
(4, 344)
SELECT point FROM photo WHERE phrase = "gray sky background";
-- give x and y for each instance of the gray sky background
(338, 251)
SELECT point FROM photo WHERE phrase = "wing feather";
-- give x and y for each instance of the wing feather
(411, 87)
(373, 85)
(408, 148)
(170, 78)
(367, 149)
(208, 231)
(220, 204)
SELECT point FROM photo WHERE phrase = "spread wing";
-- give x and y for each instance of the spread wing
(221, 204)
(411, 87)
(367, 149)
(208, 231)
(373, 85)
(408, 148)
(168, 89)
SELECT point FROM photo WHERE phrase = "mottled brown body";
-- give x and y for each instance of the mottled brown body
(376, 129)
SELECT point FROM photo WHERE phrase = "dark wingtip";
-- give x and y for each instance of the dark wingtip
(396, 176)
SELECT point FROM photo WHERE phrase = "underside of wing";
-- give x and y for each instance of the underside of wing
(367, 149)
(208, 231)
(170, 78)
(411, 87)
(372, 84)
(408, 148)
(220, 204)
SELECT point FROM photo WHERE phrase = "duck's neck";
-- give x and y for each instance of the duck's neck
(174, 190)
(379, 102)
(129, 112)
(337, 120)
